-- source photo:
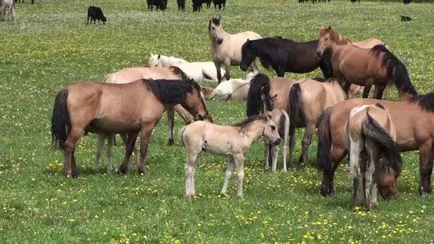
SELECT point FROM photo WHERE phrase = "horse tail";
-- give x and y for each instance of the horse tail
(375, 132)
(324, 143)
(294, 107)
(265, 63)
(396, 70)
(259, 85)
(60, 120)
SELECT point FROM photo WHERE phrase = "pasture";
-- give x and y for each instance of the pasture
(49, 45)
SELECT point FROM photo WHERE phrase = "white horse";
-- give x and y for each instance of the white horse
(226, 47)
(7, 7)
(234, 141)
(198, 71)
(369, 135)
(233, 89)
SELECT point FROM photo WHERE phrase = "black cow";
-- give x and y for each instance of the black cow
(181, 5)
(197, 5)
(406, 1)
(95, 13)
(159, 4)
(405, 18)
(220, 3)
(208, 3)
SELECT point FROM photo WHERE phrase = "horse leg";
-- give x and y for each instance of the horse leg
(280, 72)
(425, 167)
(228, 69)
(228, 174)
(183, 113)
(68, 152)
(336, 155)
(310, 129)
(366, 91)
(369, 173)
(267, 155)
(110, 141)
(274, 149)
(190, 169)
(170, 122)
(239, 164)
(99, 149)
(219, 71)
(379, 89)
(291, 146)
(346, 87)
(145, 133)
(129, 148)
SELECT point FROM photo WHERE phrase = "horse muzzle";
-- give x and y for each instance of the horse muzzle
(219, 41)
(277, 142)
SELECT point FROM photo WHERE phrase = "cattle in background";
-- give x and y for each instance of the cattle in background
(197, 5)
(181, 5)
(220, 3)
(159, 4)
(94, 14)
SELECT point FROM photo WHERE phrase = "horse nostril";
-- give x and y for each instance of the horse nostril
(277, 142)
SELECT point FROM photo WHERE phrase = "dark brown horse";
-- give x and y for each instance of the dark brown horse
(364, 67)
(111, 108)
(414, 123)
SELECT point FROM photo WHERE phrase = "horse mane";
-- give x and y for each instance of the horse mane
(426, 102)
(338, 39)
(171, 91)
(396, 70)
(249, 120)
(177, 71)
(259, 85)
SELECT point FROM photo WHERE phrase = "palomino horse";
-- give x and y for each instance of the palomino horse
(266, 95)
(230, 140)
(369, 134)
(286, 55)
(226, 48)
(233, 89)
(307, 100)
(414, 124)
(198, 71)
(112, 108)
(365, 67)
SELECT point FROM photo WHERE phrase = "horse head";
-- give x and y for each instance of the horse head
(271, 133)
(387, 178)
(324, 41)
(215, 30)
(195, 104)
(247, 55)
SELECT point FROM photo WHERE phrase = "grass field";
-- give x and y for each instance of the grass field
(49, 46)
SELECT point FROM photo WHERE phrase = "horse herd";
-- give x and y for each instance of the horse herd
(373, 131)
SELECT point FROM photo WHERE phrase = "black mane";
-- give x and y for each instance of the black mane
(426, 102)
(171, 91)
(177, 71)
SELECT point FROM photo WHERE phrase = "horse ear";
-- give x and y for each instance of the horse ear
(219, 17)
(159, 56)
(329, 28)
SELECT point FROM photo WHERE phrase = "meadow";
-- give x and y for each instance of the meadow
(49, 46)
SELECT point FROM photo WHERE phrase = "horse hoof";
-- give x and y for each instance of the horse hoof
(123, 170)
(189, 198)
(141, 171)
(170, 142)
(224, 195)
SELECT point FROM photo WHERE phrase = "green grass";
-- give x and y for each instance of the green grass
(49, 46)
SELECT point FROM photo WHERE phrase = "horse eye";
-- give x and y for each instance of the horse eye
(273, 127)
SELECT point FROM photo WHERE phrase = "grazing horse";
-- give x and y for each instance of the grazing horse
(131, 108)
(265, 95)
(198, 71)
(364, 67)
(369, 134)
(307, 100)
(233, 89)
(285, 55)
(129, 75)
(414, 124)
(226, 47)
(7, 7)
(223, 139)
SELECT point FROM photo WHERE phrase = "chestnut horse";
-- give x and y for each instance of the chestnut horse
(414, 122)
(369, 134)
(226, 47)
(365, 67)
(131, 108)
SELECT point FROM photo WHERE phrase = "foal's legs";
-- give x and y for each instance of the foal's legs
(310, 129)
(99, 149)
(368, 174)
(239, 164)
(129, 148)
(274, 150)
(190, 169)
(228, 174)
(267, 155)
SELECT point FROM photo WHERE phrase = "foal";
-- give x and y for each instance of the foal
(369, 134)
(231, 140)
(226, 47)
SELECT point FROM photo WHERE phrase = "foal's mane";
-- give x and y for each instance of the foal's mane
(249, 120)
(171, 91)
(338, 39)
(426, 102)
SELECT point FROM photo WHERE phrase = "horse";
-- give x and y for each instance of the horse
(414, 131)
(233, 89)
(285, 55)
(226, 47)
(198, 71)
(369, 134)
(7, 7)
(265, 95)
(281, 119)
(232, 140)
(366, 67)
(131, 108)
